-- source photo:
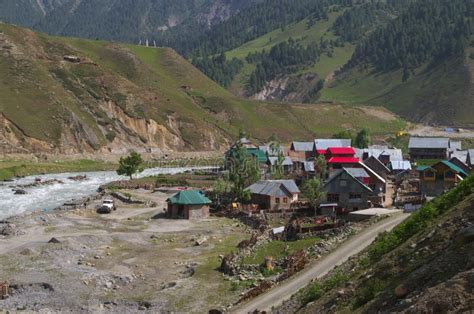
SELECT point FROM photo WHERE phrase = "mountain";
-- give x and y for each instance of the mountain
(424, 265)
(117, 20)
(71, 95)
(415, 57)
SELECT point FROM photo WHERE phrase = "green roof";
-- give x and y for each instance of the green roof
(258, 153)
(423, 168)
(446, 163)
(189, 197)
(454, 167)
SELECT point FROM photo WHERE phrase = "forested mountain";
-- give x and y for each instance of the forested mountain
(396, 53)
(118, 20)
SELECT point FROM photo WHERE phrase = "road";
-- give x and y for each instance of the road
(354, 245)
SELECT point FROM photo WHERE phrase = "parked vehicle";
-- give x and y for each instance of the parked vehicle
(108, 205)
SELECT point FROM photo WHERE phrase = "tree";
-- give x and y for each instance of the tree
(313, 191)
(243, 171)
(221, 190)
(321, 167)
(362, 139)
(275, 149)
(130, 165)
(346, 134)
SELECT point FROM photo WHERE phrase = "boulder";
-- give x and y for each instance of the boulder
(401, 291)
(20, 192)
(54, 240)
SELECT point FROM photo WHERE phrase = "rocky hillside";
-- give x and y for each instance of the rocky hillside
(425, 265)
(72, 95)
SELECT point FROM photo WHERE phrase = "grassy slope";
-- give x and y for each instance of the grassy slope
(439, 94)
(298, 31)
(152, 78)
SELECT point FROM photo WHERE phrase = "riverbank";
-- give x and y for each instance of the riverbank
(12, 166)
(129, 261)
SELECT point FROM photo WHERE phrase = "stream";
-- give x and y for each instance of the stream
(47, 197)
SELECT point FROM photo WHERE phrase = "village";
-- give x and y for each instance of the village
(243, 227)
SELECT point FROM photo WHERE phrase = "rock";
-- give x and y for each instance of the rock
(401, 291)
(154, 237)
(465, 235)
(200, 241)
(20, 192)
(54, 240)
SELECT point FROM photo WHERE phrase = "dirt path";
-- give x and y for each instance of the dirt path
(424, 130)
(276, 296)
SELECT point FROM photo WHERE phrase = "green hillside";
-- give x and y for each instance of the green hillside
(123, 96)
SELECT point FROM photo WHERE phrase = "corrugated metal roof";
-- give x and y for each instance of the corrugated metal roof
(343, 160)
(326, 143)
(428, 142)
(455, 145)
(454, 167)
(189, 197)
(461, 155)
(400, 165)
(357, 172)
(274, 188)
(308, 166)
(302, 146)
(344, 170)
(341, 150)
(286, 162)
(394, 154)
(470, 156)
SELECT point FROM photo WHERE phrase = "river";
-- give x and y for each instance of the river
(47, 197)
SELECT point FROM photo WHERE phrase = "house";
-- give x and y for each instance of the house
(470, 158)
(347, 191)
(376, 183)
(376, 165)
(400, 166)
(308, 168)
(287, 163)
(189, 204)
(274, 194)
(383, 153)
(429, 148)
(301, 151)
(460, 162)
(440, 177)
(320, 146)
(339, 152)
(336, 163)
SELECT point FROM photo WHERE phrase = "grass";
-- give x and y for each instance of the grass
(14, 168)
(438, 93)
(315, 290)
(277, 249)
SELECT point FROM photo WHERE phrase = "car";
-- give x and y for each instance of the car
(108, 205)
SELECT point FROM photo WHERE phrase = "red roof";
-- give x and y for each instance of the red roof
(321, 151)
(343, 160)
(341, 150)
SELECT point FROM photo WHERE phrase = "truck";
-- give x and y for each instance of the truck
(108, 205)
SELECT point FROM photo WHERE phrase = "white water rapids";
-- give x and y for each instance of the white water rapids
(47, 197)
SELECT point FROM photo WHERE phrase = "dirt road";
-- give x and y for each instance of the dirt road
(277, 295)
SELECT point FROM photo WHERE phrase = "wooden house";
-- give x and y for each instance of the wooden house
(349, 192)
(301, 151)
(439, 178)
(429, 148)
(274, 195)
(376, 165)
(320, 146)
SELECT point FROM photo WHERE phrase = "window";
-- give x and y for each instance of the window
(277, 200)
(285, 200)
(333, 198)
(429, 174)
(343, 182)
(354, 196)
(449, 174)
